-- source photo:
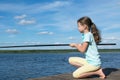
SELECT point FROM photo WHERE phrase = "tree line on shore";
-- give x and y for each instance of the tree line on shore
(54, 51)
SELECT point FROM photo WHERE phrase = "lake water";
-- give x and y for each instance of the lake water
(34, 65)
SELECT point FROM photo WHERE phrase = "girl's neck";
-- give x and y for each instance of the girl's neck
(86, 31)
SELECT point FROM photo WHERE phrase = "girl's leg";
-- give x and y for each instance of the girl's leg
(98, 72)
(88, 70)
(77, 61)
(85, 69)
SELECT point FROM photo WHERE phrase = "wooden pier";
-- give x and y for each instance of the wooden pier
(111, 74)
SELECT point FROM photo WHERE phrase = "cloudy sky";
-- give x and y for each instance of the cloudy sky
(54, 21)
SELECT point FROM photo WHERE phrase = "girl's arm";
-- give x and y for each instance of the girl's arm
(81, 47)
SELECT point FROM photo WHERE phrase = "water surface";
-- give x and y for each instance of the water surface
(24, 66)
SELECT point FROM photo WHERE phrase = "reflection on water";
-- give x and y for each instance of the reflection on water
(24, 66)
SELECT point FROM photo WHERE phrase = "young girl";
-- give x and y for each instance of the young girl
(91, 65)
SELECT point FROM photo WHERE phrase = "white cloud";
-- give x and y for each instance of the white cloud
(11, 31)
(68, 25)
(35, 8)
(113, 26)
(6, 43)
(23, 21)
(57, 43)
(12, 7)
(71, 38)
(112, 35)
(26, 22)
(20, 43)
(52, 6)
(29, 42)
(111, 39)
(55, 5)
(21, 16)
(45, 32)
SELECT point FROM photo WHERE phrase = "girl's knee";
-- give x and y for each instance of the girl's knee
(75, 75)
(70, 60)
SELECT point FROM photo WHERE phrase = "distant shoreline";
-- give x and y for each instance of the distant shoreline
(54, 51)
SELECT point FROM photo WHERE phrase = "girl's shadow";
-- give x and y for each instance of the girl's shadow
(108, 71)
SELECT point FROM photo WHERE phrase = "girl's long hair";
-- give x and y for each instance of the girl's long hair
(92, 27)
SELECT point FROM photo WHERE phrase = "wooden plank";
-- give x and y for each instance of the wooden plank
(111, 73)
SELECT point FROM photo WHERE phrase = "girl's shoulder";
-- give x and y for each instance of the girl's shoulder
(88, 34)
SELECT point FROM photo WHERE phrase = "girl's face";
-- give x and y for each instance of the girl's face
(81, 27)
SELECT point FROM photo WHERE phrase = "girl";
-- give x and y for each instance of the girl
(91, 64)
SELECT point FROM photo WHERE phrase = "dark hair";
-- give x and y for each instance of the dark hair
(92, 27)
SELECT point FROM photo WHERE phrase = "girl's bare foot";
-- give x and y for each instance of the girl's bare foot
(101, 74)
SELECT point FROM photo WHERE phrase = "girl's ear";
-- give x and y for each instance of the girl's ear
(85, 26)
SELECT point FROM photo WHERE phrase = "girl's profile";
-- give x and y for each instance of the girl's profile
(91, 64)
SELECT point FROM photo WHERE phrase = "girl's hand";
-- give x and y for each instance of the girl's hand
(73, 44)
(79, 44)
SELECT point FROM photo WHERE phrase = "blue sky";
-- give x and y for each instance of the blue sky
(54, 21)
